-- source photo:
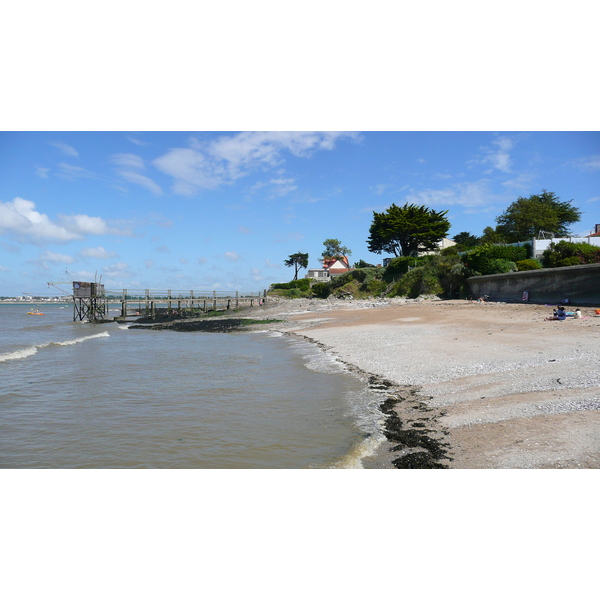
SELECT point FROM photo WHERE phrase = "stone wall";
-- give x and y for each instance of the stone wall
(580, 285)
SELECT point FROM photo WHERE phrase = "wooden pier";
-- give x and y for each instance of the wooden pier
(91, 302)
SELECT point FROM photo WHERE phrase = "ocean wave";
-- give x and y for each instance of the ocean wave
(31, 350)
(81, 339)
(24, 353)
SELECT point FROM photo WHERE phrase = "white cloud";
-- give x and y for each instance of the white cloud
(256, 275)
(72, 172)
(42, 172)
(163, 249)
(128, 160)
(590, 163)
(474, 194)
(20, 218)
(207, 165)
(202, 260)
(379, 188)
(498, 157)
(120, 269)
(142, 180)
(271, 265)
(4, 269)
(232, 256)
(136, 141)
(56, 258)
(65, 148)
(98, 252)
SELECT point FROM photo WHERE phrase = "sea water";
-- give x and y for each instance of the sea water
(82, 395)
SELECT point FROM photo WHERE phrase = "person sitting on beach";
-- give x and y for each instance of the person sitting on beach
(559, 315)
(577, 314)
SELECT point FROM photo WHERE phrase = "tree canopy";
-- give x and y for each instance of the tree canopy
(334, 249)
(407, 230)
(298, 261)
(526, 217)
(465, 240)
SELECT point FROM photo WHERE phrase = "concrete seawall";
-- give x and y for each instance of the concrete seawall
(579, 284)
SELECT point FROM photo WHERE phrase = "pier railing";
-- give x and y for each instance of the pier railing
(150, 303)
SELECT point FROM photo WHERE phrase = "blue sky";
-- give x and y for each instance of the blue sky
(223, 210)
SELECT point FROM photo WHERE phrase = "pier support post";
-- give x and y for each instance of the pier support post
(147, 301)
(214, 300)
(124, 304)
(152, 310)
(237, 299)
(169, 302)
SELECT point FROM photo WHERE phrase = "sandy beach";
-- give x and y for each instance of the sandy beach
(466, 385)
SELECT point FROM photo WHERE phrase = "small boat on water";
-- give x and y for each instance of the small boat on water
(35, 311)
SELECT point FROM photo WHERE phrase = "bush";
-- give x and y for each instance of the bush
(566, 254)
(489, 259)
(529, 264)
(417, 282)
(321, 290)
(300, 284)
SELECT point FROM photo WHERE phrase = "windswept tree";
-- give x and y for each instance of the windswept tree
(298, 261)
(406, 230)
(334, 249)
(526, 217)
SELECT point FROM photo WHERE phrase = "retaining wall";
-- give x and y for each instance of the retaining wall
(580, 285)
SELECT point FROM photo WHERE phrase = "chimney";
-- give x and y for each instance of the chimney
(597, 229)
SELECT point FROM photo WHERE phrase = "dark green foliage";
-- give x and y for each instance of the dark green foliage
(334, 249)
(525, 217)
(359, 282)
(300, 284)
(483, 260)
(418, 281)
(321, 290)
(407, 230)
(492, 236)
(298, 261)
(529, 264)
(361, 264)
(464, 240)
(566, 254)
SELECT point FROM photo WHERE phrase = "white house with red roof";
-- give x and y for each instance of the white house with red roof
(331, 268)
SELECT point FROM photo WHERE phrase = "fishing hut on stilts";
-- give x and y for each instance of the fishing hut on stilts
(89, 301)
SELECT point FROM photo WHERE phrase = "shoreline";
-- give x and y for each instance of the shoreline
(501, 387)
(464, 385)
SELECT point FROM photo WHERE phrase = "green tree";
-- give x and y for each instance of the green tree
(298, 261)
(492, 236)
(407, 230)
(525, 217)
(334, 249)
(465, 240)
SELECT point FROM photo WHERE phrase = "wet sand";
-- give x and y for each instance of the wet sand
(468, 385)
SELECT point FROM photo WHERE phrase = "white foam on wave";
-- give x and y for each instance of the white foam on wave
(82, 339)
(18, 354)
(31, 350)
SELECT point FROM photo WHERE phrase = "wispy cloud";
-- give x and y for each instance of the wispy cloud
(137, 141)
(72, 172)
(142, 180)
(42, 172)
(98, 252)
(468, 194)
(379, 188)
(57, 258)
(588, 164)
(65, 149)
(498, 156)
(128, 160)
(207, 165)
(232, 256)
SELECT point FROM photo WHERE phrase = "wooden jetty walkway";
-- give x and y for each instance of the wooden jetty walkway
(91, 302)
